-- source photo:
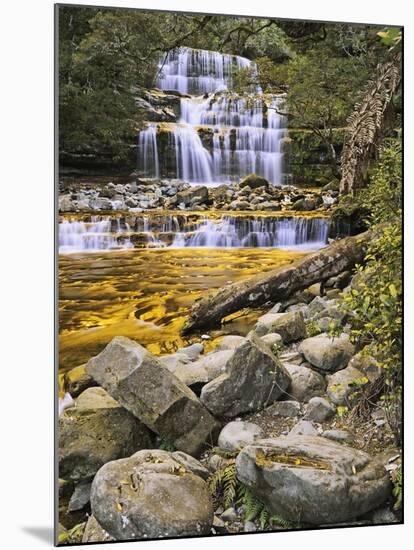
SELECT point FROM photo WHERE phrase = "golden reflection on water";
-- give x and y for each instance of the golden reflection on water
(145, 294)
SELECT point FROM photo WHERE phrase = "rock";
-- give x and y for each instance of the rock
(236, 435)
(100, 203)
(287, 409)
(76, 381)
(230, 341)
(96, 431)
(305, 383)
(367, 365)
(273, 340)
(303, 427)
(192, 351)
(229, 515)
(327, 353)
(80, 496)
(66, 204)
(383, 516)
(319, 410)
(341, 436)
(219, 526)
(94, 532)
(293, 357)
(333, 483)
(253, 378)
(148, 390)
(174, 360)
(253, 181)
(304, 205)
(151, 495)
(205, 369)
(198, 193)
(315, 289)
(342, 384)
(191, 464)
(239, 205)
(291, 326)
(249, 527)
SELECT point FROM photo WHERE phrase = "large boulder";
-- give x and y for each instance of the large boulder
(192, 195)
(313, 479)
(253, 181)
(146, 388)
(305, 383)
(152, 494)
(319, 409)
(342, 384)
(291, 326)
(230, 342)
(236, 435)
(253, 379)
(326, 352)
(96, 431)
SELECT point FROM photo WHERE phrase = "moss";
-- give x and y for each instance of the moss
(265, 460)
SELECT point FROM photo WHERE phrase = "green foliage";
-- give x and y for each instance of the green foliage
(391, 36)
(312, 329)
(374, 303)
(228, 490)
(397, 491)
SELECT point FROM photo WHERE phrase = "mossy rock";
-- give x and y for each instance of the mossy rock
(253, 181)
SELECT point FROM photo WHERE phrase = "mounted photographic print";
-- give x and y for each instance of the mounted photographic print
(229, 235)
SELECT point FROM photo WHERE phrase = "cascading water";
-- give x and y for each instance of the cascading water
(180, 231)
(247, 132)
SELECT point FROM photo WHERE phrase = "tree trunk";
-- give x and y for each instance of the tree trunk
(278, 284)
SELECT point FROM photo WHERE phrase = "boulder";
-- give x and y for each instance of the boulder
(341, 436)
(273, 340)
(231, 341)
(192, 351)
(80, 496)
(305, 383)
(342, 384)
(291, 326)
(367, 365)
(96, 431)
(151, 495)
(139, 381)
(319, 410)
(193, 194)
(253, 181)
(94, 532)
(236, 435)
(327, 353)
(312, 479)
(253, 378)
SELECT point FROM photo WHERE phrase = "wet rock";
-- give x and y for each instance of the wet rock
(327, 353)
(286, 409)
(305, 383)
(151, 495)
(230, 342)
(342, 384)
(332, 482)
(253, 378)
(303, 427)
(253, 181)
(94, 532)
(96, 431)
(236, 435)
(319, 410)
(291, 326)
(198, 193)
(148, 390)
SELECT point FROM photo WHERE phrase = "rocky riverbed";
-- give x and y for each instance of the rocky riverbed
(257, 432)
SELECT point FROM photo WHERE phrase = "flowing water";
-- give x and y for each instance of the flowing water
(95, 233)
(146, 294)
(247, 131)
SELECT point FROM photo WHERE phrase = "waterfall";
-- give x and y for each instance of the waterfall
(198, 71)
(194, 230)
(247, 131)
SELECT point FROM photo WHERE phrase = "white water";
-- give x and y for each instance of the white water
(248, 131)
(109, 233)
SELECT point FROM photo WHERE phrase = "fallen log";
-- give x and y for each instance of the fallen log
(279, 283)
